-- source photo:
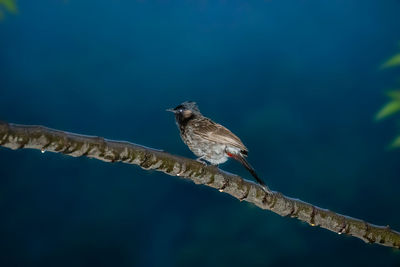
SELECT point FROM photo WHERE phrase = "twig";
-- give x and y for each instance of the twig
(16, 136)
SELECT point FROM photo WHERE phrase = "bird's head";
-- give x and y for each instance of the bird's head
(185, 111)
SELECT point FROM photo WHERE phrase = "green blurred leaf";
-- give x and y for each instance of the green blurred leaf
(9, 5)
(396, 142)
(392, 62)
(395, 95)
(387, 110)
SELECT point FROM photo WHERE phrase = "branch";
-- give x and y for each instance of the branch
(16, 136)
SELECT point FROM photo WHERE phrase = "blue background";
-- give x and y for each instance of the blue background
(298, 81)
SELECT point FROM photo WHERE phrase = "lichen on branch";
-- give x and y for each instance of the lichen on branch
(16, 136)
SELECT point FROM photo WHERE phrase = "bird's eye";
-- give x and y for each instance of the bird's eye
(180, 110)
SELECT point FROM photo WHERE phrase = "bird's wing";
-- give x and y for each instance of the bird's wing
(215, 132)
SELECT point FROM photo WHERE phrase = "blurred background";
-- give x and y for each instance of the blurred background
(300, 82)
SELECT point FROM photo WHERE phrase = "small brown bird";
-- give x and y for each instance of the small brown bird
(208, 140)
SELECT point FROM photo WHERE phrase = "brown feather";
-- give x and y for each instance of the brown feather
(215, 132)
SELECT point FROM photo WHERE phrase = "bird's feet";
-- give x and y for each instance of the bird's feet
(201, 160)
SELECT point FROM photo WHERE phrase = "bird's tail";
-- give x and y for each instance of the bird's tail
(247, 165)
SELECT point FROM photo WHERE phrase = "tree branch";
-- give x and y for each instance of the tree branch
(16, 136)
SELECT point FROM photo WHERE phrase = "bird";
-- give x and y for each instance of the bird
(208, 140)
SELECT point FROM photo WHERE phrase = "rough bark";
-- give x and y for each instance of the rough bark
(16, 136)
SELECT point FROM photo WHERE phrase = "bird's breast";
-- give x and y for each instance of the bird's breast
(211, 151)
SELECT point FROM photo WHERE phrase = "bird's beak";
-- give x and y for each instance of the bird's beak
(171, 110)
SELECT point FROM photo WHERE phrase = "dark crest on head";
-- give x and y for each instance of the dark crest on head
(186, 111)
(188, 105)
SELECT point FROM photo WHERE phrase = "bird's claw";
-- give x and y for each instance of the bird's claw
(201, 161)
